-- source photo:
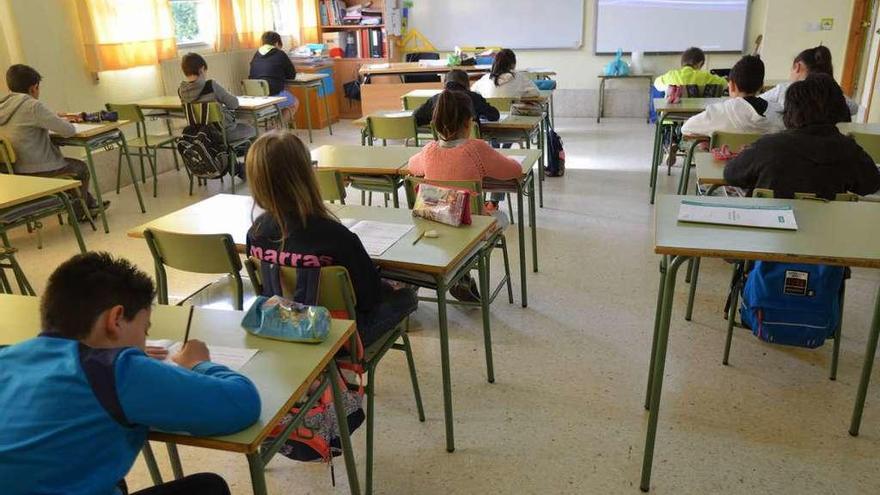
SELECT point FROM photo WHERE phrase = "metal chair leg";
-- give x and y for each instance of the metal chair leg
(410, 362)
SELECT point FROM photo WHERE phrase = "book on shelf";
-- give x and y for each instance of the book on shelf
(336, 13)
(365, 43)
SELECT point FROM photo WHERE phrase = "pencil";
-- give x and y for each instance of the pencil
(419, 238)
(188, 324)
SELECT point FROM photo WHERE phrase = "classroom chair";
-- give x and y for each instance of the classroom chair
(384, 128)
(267, 116)
(232, 149)
(200, 253)
(31, 213)
(144, 145)
(742, 268)
(502, 104)
(335, 293)
(330, 185)
(412, 103)
(733, 140)
(8, 262)
(869, 142)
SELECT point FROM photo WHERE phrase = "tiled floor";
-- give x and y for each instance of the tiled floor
(565, 414)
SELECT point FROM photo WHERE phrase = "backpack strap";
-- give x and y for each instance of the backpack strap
(203, 118)
(271, 276)
(207, 89)
(308, 282)
(190, 113)
(100, 370)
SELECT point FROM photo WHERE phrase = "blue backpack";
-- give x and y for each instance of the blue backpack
(792, 304)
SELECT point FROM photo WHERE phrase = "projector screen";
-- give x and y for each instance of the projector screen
(671, 25)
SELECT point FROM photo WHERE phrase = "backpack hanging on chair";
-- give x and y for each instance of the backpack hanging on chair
(317, 439)
(555, 154)
(201, 145)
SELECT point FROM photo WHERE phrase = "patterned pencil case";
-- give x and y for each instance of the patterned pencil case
(282, 319)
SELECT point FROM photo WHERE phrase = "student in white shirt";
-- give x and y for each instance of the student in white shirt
(816, 60)
(743, 111)
(504, 81)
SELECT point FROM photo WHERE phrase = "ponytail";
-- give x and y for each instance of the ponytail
(505, 61)
(452, 113)
(817, 60)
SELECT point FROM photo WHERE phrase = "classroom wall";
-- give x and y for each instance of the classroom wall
(782, 22)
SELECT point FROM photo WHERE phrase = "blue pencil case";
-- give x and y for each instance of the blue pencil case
(282, 319)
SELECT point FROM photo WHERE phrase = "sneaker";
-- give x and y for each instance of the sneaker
(466, 290)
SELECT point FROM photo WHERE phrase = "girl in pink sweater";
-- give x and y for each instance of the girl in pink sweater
(457, 156)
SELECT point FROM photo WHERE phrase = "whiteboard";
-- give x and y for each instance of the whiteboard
(507, 23)
(671, 25)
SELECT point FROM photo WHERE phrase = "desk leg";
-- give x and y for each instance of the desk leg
(444, 364)
(552, 111)
(74, 223)
(97, 188)
(664, 261)
(326, 108)
(150, 461)
(308, 113)
(533, 223)
(174, 458)
(484, 304)
(137, 188)
(258, 474)
(870, 350)
(542, 145)
(521, 235)
(344, 435)
(650, 99)
(601, 106)
(659, 359)
(655, 158)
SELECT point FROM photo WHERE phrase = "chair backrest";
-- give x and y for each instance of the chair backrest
(215, 115)
(870, 143)
(330, 185)
(474, 186)
(413, 102)
(502, 104)
(768, 193)
(127, 111)
(733, 140)
(335, 291)
(196, 253)
(7, 155)
(255, 87)
(382, 127)
(476, 133)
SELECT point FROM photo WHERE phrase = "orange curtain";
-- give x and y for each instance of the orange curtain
(119, 34)
(241, 23)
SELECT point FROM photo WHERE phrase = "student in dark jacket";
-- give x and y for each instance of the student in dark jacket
(298, 230)
(457, 80)
(272, 65)
(811, 156)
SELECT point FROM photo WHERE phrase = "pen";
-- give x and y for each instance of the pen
(422, 234)
(188, 324)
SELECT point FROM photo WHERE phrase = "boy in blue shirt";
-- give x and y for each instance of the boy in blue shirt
(77, 401)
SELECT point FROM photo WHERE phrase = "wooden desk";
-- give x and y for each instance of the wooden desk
(255, 107)
(850, 127)
(828, 233)
(312, 80)
(92, 137)
(365, 160)
(16, 190)
(709, 170)
(435, 264)
(603, 79)
(282, 372)
(686, 107)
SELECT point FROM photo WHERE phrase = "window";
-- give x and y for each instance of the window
(193, 21)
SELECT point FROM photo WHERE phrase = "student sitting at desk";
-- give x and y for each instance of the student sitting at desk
(743, 111)
(690, 73)
(815, 60)
(25, 123)
(298, 230)
(457, 156)
(272, 65)
(197, 88)
(503, 81)
(457, 80)
(811, 156)
(79, 399)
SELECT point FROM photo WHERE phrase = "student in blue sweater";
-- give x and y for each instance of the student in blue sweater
(76, 402)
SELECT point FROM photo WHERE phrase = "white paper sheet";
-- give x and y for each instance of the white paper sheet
(377, 237)
(433, 63)
(519, 158)
(399, 114)
(768, 217)
(80, 128)
(233, 358)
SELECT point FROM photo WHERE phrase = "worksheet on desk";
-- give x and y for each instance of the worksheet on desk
(377, 237)
(768, 217)
(519, 158)
(233, 358)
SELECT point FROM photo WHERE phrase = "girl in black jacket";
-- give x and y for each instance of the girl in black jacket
(811, 156)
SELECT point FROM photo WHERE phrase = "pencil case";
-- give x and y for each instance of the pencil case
(282, 319)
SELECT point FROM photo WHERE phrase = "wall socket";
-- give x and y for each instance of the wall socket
(826, 24)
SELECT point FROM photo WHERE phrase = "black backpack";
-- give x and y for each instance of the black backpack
(201, 145)
(555, 155)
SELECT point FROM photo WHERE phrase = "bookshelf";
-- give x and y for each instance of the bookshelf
(362, 44)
